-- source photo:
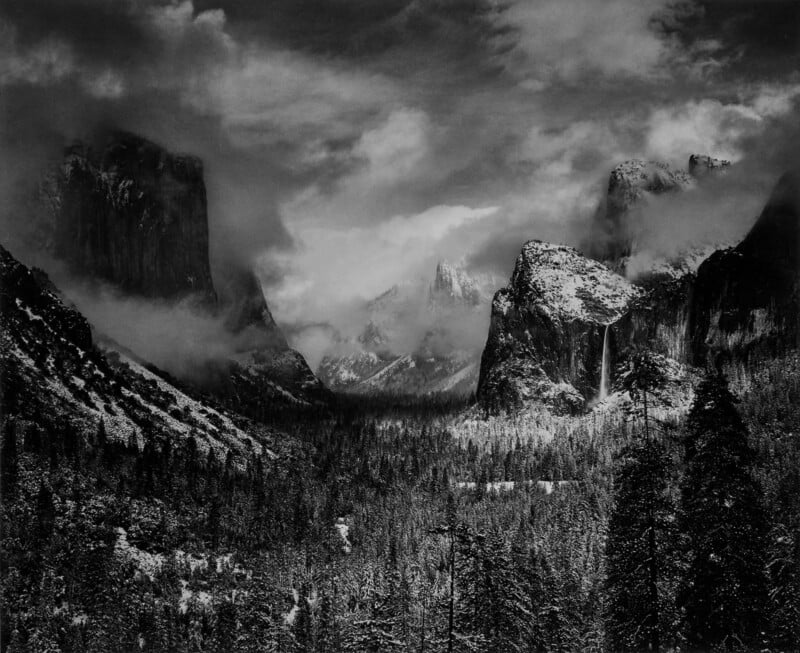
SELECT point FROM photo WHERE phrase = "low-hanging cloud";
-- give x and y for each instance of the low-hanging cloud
(181, 338)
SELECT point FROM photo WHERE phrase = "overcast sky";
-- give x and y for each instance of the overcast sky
(349, 144)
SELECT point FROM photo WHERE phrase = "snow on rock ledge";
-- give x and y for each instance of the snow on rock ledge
(545, 341)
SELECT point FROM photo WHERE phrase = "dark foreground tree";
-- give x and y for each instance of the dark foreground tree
(642, 552)
(725, 591)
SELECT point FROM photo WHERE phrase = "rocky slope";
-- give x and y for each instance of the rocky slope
(263, 371)
(134, 215)
(440, 356)
(547, 329)
(51, 366)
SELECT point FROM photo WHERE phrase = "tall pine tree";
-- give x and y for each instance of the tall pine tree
(641, 550)
(725, 591)
(641, 554)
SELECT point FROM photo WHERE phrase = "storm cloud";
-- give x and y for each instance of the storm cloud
(349, 144)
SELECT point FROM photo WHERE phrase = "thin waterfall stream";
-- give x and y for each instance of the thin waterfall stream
(604, 367)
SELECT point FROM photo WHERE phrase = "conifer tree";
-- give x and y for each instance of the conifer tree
(45, 513)
(507, 616)
(725, 591)
(8, 458)
(641, 553)
(642, 543)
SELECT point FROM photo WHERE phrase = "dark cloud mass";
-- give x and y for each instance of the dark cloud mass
(349, 144)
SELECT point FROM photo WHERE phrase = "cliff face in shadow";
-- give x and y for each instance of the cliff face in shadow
(746, 300)
(133, 214)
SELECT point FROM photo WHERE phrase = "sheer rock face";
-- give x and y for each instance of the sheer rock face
(659, 320)
(746, 300)
(547, 328)
(134, 215)
(263, 362)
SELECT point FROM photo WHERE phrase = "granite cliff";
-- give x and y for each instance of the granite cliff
(133, 215)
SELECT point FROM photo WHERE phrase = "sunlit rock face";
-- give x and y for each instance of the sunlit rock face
(545, 341)
(453, 286)
(133, 214)
(746, 298)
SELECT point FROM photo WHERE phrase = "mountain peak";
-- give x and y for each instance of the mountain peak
(614, 227)
(564, 283)
(248, 309)
(703, 164)
(631, 179)
(452, 285)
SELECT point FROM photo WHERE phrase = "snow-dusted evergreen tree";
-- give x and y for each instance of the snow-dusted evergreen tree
(725, 593)
(507, 614)
(378, 629)
(641, 553)
(784, 559)
(640, 376)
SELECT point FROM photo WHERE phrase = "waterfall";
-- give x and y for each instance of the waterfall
(604, 367)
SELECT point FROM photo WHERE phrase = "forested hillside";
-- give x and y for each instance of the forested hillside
(358, 538)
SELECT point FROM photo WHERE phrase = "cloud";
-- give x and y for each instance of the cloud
(396, 147)
(335, 268)
(713, 126)
(570, 40)
(266, 97)
(47, 61)
(176, 337)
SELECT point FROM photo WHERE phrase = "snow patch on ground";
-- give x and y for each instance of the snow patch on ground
(343, 530)
(496, 487)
